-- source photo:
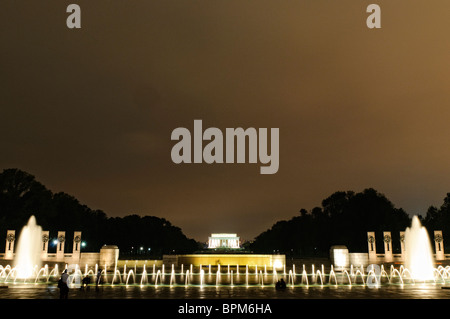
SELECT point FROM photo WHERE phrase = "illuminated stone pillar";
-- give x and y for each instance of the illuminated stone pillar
(439, 244)
(402, 244)
(60, 246)
(387, 239)
(339, 257)
(109, 255)
(372, 247)
(10, 240)
(45, 239)
(76, 246)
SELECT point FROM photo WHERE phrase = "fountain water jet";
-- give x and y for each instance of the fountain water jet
(419, 259)
(28, 256)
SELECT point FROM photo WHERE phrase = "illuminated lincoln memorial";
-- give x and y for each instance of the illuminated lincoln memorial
(223, 241)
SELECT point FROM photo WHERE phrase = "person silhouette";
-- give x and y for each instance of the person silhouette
(85, 282)
(282, 284)
(99, 279)
(63, 286)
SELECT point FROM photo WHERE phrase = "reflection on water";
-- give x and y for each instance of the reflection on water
(136, 292)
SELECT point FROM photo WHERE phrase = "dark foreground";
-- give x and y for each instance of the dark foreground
(40, 291)
(231, 302)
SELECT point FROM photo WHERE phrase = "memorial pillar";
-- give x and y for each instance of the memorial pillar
(387, 239)
(372, 247)
(9, 249)
(402, 244)
(60, 247)
(76, 246)
(439, 245)
(45, 239)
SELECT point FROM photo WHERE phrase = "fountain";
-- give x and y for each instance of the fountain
(28, 258)
(419, 258)
(419, 267)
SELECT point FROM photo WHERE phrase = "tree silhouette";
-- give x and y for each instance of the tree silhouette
(22, 196)
(439, 219)
(344, 219)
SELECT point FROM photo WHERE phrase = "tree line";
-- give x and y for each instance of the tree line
(21, 196)
(344, 218)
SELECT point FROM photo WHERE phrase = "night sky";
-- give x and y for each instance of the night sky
(90, 111)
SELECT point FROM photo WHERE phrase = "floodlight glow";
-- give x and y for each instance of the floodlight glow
(277, 264)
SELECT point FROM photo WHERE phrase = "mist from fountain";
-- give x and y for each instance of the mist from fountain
(28, 256)
(419, 257)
